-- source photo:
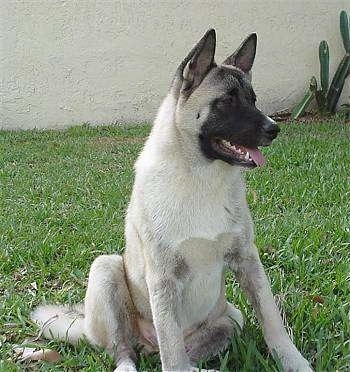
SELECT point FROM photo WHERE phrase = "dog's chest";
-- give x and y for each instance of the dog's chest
(202, 277)
(180, 214)
(202, 229)
(199, 219)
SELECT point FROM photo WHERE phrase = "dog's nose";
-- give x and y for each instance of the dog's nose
(270, 127)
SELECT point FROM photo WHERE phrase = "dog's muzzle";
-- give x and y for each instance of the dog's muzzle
(269, 132)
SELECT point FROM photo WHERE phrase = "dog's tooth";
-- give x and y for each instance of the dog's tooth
(246, 156)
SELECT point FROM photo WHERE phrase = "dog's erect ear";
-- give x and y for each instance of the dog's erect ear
(243, 57)
(198, 62)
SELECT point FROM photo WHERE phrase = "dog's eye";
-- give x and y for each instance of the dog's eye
(228, 100)
(198, 115)
(233, 92)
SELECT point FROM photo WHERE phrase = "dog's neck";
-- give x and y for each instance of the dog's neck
(182, 149)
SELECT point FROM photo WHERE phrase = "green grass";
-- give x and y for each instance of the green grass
(63, 197)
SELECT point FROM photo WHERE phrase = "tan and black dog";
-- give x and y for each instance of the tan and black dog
(187, 222)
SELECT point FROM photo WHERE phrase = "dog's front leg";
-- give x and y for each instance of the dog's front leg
(165, 291)
(253, 280)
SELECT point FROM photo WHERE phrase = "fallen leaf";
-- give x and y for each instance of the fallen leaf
(31, 353)
(19, 275)
(269, 249)
(318, 299)
(33, 288)
(255, 196)
(56, 284)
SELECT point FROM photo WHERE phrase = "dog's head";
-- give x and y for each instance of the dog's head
(216, 104)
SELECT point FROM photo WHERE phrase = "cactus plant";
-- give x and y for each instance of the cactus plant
(300, 108)
(321, 95)
(327, 96)
(337, 83)
(345, 111)
(344, 30)
(324, 64)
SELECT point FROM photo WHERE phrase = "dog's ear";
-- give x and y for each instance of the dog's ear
(243, 57)
(199, 61)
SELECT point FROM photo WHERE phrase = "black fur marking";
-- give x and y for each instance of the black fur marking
(211, 340)
(231, 258)
(181, 269)
(234, 117)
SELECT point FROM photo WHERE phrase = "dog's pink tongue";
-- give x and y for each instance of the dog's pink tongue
(257, 157)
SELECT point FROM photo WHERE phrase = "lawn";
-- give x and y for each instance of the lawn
(63, 196)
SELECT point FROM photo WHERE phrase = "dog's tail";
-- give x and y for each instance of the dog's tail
(60, 322)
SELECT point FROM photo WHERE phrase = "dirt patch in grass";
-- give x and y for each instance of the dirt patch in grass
(308, 118)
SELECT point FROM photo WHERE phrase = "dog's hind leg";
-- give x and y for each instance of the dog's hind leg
(213, 336)
(109, 314)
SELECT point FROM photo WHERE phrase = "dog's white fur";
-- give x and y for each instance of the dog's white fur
(187, 221)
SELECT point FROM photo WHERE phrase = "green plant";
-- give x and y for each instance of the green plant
(327, 96)
(345, 111)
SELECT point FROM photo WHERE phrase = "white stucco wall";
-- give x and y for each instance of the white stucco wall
(69, 62)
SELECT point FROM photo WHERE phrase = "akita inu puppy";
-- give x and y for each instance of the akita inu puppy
(187, 222)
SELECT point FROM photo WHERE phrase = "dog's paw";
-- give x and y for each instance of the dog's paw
(296, 364)
(302, 365)
(305, 369)
(291, 359)
(126, 365)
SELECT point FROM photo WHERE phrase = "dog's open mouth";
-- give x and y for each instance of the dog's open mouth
(249, 157)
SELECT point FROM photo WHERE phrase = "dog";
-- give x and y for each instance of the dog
(187, 222)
